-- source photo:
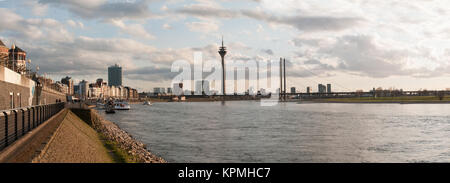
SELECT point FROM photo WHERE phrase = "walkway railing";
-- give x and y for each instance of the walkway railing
(15, 123)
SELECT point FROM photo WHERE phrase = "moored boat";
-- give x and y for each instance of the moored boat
(121, 106)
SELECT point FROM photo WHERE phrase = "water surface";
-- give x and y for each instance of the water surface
(244, 131)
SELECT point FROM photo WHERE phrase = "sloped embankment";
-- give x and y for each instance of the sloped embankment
(135, 151)
(74, 142)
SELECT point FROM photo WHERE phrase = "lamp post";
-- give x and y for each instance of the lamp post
(13, 61)
(26, 67)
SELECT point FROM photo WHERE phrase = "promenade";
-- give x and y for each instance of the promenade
(74, 142)
(75, 134)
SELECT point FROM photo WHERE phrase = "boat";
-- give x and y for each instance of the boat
(147, 103)
(121, 106)
(102, 105)
(109, 108)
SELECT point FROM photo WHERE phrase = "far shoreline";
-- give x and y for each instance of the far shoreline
(372, 102)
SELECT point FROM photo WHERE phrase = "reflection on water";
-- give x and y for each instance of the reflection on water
(244, 131)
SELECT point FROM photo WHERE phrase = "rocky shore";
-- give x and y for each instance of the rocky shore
(137, 150)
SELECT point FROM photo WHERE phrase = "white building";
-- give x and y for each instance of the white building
(83, 89)
(177, 89)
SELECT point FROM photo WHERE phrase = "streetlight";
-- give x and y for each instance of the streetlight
(13, 48)
(26, 67)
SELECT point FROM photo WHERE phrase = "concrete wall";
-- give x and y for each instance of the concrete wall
(24, 91)
(8, 89)
(48, 96)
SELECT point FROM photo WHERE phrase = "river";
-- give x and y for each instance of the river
(245, 131)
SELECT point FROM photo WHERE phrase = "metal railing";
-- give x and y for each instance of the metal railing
(15, 123)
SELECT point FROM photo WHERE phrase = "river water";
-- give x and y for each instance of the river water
(244, 131)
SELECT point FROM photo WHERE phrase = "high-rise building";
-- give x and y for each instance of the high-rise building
(328, 88)
(84, 89)
(308, 90)
(202, 87)
(115, 75)
(76, 90)
(69, 82)
(293, 90)
(322, 88)
(169, 90)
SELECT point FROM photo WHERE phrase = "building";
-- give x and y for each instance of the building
(84, 90)
(169, 90)
(17, 90)
(4, 54)
(202, 87)
(308, 90)
(178, 89)
(69, 82)
(76, 90)
(159, 91)
(115, 75)
(18, 59)
(328, 88)
(322, 88)
(293, 90)
(95, 91)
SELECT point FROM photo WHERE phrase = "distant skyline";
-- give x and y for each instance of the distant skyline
(351, 44)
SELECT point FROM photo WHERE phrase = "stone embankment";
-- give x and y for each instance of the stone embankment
(137, 150)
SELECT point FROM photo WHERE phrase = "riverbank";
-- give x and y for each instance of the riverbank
(131, 149)
(82, 136)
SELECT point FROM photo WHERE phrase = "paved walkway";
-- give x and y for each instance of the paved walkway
(74, 142)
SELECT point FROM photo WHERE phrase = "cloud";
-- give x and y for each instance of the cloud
(75, 24)
(206, 11)
(167, 26)
(306, 23)
(103, 9)
(300, 22)
(204, 27)
(15, 26)
(150, 74)
(361, 55)
(136, 30)
(37, 8)
(267, 51)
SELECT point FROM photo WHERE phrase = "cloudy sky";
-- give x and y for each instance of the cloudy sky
(352, 44)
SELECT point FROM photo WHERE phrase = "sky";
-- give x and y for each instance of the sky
(351, 44)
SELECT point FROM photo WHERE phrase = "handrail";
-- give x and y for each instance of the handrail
(15, 123)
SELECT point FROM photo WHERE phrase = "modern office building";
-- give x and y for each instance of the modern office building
(308, 90)
(202, 87)
(322, 88)
(83, 89)
(115, 75)
(328, 88)
(293, 90)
